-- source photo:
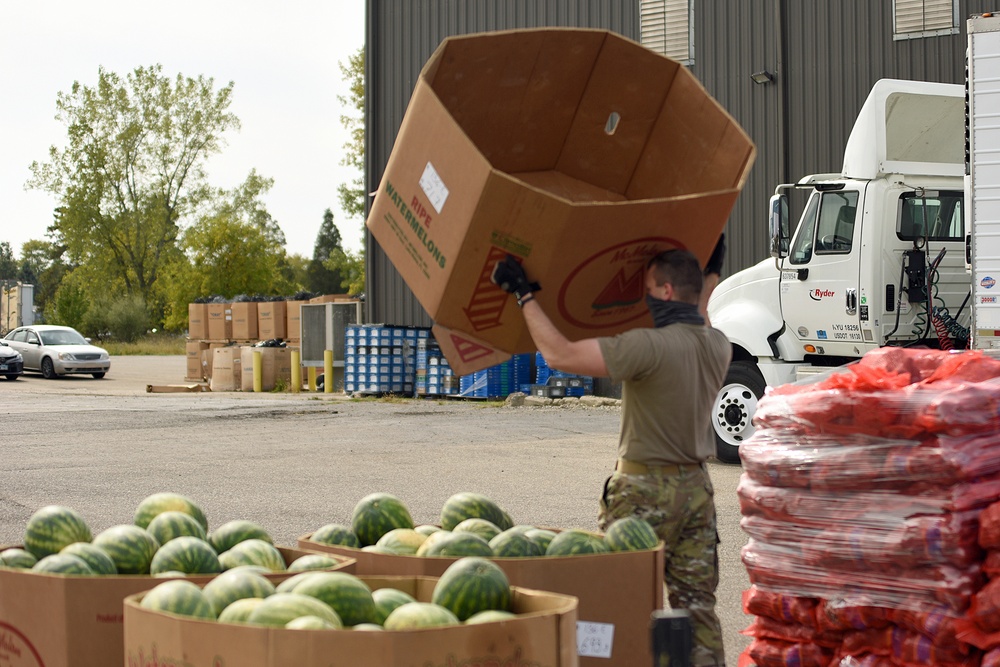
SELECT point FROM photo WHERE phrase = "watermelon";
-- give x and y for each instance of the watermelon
(376, 514)
(178, 597)
(53, 527)
(62, 564)
(427, 529)
(170, 574)
(387, 599)
(468, 505)
(368, 626)
(459, 544)
(481, 527)
(348, 595)
(280, 608)
(416, 615)
(489, 616)
(575, 541)
(231, 533)
(338, 534)
(253, 552)
(374, 548)
(288, 585)
(431, 540)
(130, 547)
(234, 585)
(187, 554)
(514, 544)
(95, 557)
(240, 610)
(313, 562)
(168, 525)
(541, 536)
(17, 558)
(630, 533)
(402, 541)
(310, 623)
(472, 585)
(158, 503)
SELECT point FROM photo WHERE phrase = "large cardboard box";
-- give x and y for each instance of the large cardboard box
(271, 319)
(220, 321)
(293, 319)
(543, 635)
(198, 321)
(227, 370)
(617, 592)
(579, 152)
(244, 320)
(50, 620)
(276, 366)
(195, 357)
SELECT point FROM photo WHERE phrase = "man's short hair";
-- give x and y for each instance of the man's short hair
(681, 269)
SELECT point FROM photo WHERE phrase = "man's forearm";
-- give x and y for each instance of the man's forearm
(583, 357)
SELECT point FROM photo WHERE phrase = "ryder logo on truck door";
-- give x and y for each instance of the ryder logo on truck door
(820, 294)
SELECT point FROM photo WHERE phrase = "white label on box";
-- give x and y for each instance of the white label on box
(594, 640)
(433, 187)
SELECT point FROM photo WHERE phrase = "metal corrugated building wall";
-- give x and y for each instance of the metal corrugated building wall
(401, 35)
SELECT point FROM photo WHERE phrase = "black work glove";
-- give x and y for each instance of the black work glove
(509, 275)
(714, 263)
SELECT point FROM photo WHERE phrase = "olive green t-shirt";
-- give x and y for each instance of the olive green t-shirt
(670, 379)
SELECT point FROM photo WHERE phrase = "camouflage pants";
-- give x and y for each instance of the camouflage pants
(681, 508)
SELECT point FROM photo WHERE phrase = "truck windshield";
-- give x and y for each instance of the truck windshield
(939, 217)
(827, 226)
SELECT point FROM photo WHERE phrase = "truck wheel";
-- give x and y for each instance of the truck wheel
(734, 409)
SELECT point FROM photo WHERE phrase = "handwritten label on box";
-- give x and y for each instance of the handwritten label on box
(594, 640)
(433, 187)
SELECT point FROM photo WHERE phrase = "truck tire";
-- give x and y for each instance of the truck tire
(734, 409)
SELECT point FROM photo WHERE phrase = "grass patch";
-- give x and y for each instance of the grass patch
(151, 345)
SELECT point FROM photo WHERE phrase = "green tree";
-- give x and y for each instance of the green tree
(352, 195)
(132, 170)
(8, 265)
(42, 265)
(322, 278)
(351, 266)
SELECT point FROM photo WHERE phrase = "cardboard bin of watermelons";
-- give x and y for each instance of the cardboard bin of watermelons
(542, 632)
(60, 620)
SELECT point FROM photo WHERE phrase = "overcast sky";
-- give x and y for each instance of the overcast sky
(283, 58)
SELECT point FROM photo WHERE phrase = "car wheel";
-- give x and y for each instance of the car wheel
(13, 377)
(732, 418)
(98, 376)
(48, 370)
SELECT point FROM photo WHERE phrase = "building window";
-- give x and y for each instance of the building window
(913, 19)
(666, 26)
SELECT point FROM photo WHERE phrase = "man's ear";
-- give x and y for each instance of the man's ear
(668, 292)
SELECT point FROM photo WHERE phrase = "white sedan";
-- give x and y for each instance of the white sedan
(54, 351)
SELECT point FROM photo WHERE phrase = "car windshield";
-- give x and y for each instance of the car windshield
(62, 337)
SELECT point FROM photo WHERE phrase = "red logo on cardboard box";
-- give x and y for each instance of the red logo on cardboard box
(618, 300)
(468, 350)
(16, 650)
(487, 300)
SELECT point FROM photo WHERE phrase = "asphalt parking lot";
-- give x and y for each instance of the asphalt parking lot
(293, 462)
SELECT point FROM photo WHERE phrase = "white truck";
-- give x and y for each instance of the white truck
(878, 256)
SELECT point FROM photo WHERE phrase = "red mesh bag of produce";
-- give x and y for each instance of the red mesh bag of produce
(788, 608)
(985, 608)
(959, 409)
(832, 614)
(866, 660)
(968, 366)
(992, 658)
(989, 527)
(904, 646)
(763, 627)
(772, 653)
(935, 623)
(991, 565)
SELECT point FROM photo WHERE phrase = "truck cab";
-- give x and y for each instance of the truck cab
(878, 256)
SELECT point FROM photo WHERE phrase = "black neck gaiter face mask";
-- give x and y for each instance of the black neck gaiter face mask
(673, 312)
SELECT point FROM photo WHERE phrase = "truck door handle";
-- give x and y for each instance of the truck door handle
(852, 301)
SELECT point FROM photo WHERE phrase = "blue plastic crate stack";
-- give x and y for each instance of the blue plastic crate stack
(381, 359)
(434, 376)
(553, 384)
(498, 381)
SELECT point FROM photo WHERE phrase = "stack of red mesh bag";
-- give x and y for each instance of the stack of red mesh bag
(870, 500)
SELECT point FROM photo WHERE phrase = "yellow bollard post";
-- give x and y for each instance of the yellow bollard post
(296, 373)
(328, 371)
(311, 375)
(258, 371)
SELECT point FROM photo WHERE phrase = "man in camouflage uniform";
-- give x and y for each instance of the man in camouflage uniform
(670, 377)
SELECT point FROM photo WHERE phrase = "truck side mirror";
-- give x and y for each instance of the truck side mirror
(778, 226)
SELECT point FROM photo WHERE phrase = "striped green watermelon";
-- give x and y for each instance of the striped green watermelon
(482, 527)
(289, 585)
(168, 525)
(387, 599)
(234, 585)
(130, 547)
(240, 610)
(95, 557)
(489, 616)
(368, 626)
(187, 554)
(574, 541)
(630, 533)
(53, 527)
(376, 514)
(459, 544)
(402, 541)
(427, 529)
(280, 608)
(310, 623)
(514, 544)
(231, 533)
(62, 564)
(469, 505)
(170, 574)
(348, 595)
(178, 597)
(431, 540)
(313, 562)
(253, 552)
(158, 503)
(338, 534)
(472, 585)
(18, 558)
(416, 615)
(541, 536)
